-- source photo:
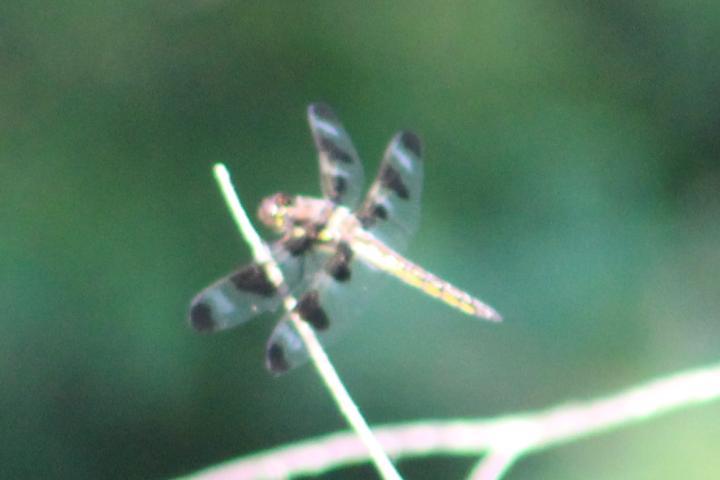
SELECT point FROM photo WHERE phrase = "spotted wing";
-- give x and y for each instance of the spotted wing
(341, 173)
(244, 294)
(391, 211)
(331, 302)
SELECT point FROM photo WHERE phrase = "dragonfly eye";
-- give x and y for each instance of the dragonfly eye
(273, 211)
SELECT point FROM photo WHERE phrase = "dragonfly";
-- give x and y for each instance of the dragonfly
(334, 250)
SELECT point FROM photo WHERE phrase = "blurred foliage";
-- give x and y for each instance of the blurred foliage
(572, 181)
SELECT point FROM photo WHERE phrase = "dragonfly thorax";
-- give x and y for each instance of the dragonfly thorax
(283, 212)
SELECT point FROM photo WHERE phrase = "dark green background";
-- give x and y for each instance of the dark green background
(572, 181)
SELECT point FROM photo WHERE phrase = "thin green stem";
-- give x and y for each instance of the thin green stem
(319, 358)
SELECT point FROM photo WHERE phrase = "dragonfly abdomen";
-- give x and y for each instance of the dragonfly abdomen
(391, 262)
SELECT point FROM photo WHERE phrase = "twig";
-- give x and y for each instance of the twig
(494, 465)
(327, 372)
(504, 438)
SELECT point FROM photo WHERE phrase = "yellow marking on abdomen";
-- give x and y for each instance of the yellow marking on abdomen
(384, 258)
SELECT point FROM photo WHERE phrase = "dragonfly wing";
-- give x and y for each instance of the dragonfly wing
(332, 303)
(391, 211)
(341, 173)
(234, 299)
(244, 294)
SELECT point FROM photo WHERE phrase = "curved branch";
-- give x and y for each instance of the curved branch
(504, 438)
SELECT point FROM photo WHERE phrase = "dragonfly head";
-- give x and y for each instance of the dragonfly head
(274, 211)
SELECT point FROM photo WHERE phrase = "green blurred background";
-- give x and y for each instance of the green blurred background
(572, 181)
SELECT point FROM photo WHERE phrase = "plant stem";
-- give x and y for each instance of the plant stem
(503, 440)
(320, 360)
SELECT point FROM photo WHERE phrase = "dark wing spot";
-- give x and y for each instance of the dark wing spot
(391, 179)
(411, 142)
(253, 279)
(339, 265)
(201, 317)
(379, 211)
(275, 359)
(369, 215)
(322, 110)
(339, 271)
(333, 150)
(339, 185)
(345, 251)
(298, 245)
(310, 310)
